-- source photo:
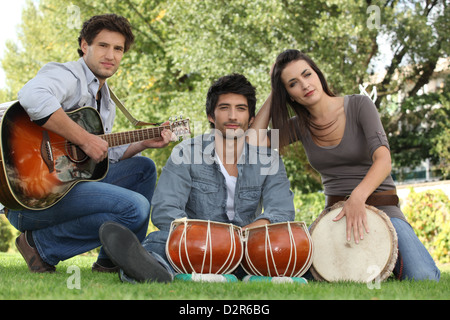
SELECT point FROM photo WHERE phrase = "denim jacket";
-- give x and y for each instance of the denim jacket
(192, 186)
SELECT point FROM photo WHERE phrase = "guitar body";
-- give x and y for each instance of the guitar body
(38, 167)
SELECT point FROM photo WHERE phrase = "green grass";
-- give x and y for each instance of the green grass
(17, 283)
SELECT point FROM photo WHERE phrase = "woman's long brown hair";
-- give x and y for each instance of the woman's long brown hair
(283, 109)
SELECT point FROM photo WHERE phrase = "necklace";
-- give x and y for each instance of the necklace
(318, 127)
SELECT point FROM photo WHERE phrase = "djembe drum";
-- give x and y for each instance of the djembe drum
(278, 250)
(336, 259)
(205, 247)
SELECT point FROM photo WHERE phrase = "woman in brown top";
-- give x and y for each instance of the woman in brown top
(345, 142)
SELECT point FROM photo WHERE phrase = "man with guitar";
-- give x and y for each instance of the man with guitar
(70, 226)
(217, 176)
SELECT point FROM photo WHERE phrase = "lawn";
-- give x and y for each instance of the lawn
(74, 280)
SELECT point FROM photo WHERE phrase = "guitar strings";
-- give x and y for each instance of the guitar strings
(119, 136)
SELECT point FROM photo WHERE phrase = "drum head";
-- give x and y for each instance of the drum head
(335, 259)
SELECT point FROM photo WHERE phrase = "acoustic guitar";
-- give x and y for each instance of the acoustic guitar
(38, 167)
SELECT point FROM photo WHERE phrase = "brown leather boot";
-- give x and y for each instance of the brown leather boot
(32, 257)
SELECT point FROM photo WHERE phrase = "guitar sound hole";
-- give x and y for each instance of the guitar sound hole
(75, 153)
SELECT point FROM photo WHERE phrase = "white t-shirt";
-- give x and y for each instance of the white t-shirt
(231, 187)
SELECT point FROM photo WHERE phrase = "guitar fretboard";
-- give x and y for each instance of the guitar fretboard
(121, 138)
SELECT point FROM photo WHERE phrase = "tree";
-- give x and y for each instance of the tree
(416, 122)
(182, 46)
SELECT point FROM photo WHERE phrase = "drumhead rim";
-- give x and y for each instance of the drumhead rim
(182, 220)
(390, 264)
(301, 223)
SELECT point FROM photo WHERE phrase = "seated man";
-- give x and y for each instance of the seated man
(70, 227)
(217, 176)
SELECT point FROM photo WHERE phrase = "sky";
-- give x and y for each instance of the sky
(10, 18)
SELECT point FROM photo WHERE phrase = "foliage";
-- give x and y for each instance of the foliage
(441, 141)
(37, 46)
(302, 176)
(308, 206)
(428, 213)
(7, 233)
(182, 46)
(418, 129)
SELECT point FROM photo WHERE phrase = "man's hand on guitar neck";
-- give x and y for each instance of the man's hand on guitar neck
(161, 142)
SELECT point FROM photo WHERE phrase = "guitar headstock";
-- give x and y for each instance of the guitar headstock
(180, 127)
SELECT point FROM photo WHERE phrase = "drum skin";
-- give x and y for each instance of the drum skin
(200, 246)
(278, 250)
(337, 259)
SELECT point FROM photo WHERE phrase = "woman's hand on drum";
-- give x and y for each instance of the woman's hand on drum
(356, 218)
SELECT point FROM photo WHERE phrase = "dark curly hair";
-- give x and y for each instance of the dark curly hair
(112, 22)
(233, 83)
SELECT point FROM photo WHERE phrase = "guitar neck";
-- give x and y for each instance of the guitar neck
(121, 138)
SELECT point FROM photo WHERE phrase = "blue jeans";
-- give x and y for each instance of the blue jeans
(70, 227)
(155, 244)
(417, 262)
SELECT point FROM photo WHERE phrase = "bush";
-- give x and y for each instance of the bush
(308, 206)
(428, 212)
(6, 234)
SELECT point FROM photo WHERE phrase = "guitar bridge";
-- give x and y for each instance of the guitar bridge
(46, 152)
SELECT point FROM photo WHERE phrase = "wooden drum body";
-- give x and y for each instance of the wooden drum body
(278, 250)
(336, 259)
(202, 246)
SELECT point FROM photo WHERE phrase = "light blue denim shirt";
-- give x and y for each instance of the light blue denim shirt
(192, 185)
(69, 86)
